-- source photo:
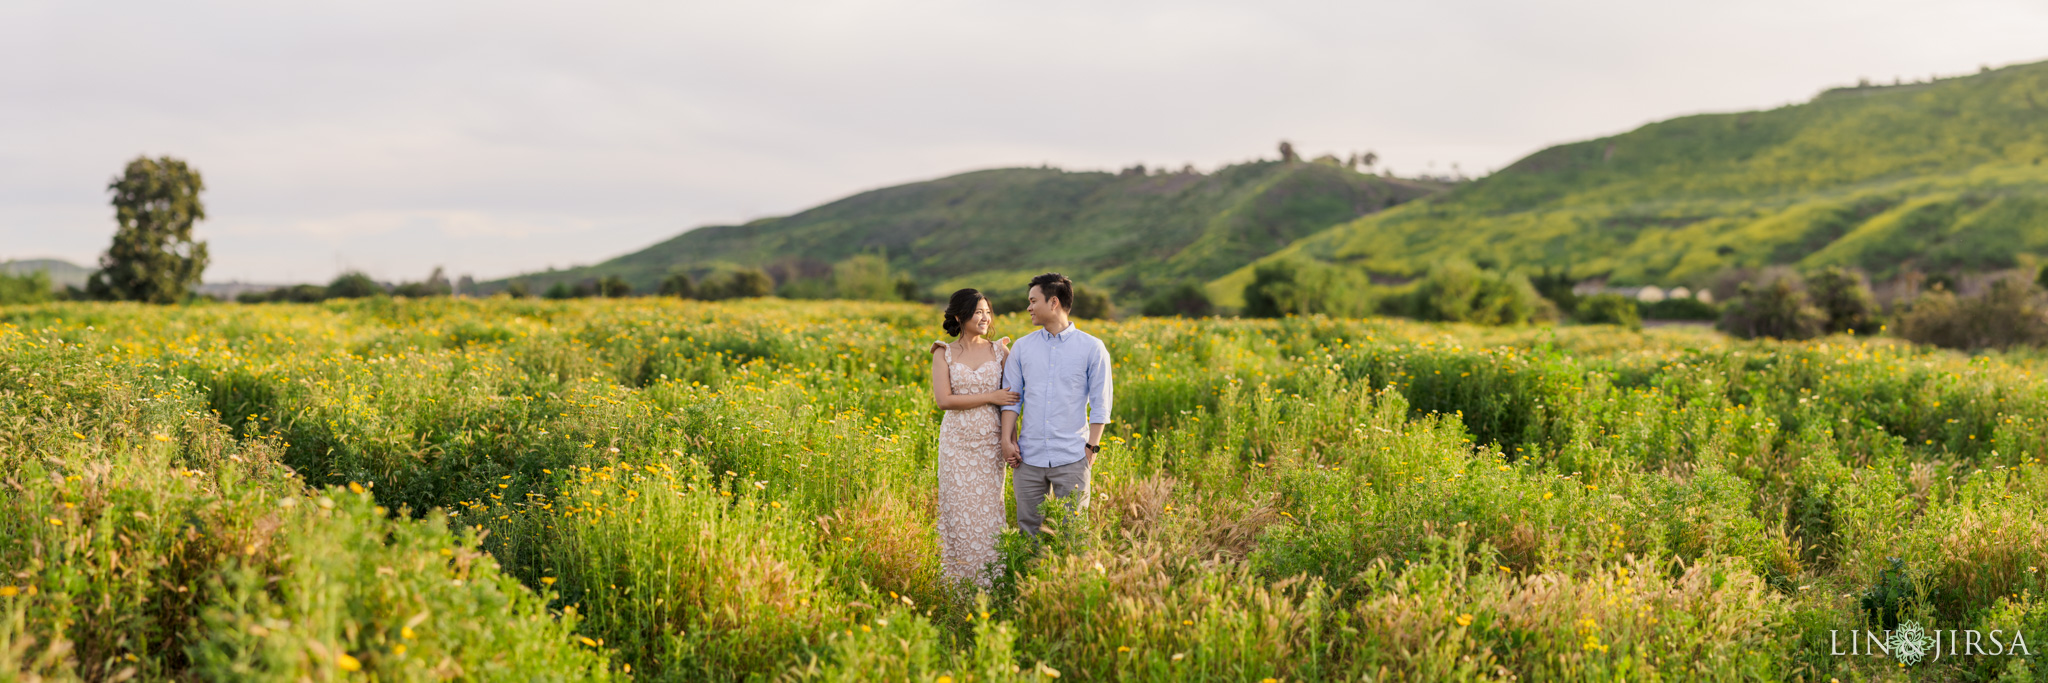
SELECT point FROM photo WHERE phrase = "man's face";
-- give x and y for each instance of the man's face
(1041, 307)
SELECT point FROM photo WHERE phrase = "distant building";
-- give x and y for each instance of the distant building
(1648, 294)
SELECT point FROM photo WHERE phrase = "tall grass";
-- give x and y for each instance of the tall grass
(742, 491)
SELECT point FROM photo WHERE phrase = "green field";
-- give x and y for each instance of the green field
(663, 489)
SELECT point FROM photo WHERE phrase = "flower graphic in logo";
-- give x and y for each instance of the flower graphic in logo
(1909, 643)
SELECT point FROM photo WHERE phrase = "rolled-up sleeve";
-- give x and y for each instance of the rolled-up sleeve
(1013, 376)
(1101, 387)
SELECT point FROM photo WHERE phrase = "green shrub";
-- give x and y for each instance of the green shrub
(353, 590)
(1845, 297)
(1457, 291)
(1777, 308)
(742, 283)
(1185, 299)
(26, 288)
(2010, 313)
(356, 285)
(679, 285)
(1609, 309)
(691, 574)
(1092, 304)
(1292, 287)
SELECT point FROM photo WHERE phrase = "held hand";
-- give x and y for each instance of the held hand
(1001, 397)
(1011, 454)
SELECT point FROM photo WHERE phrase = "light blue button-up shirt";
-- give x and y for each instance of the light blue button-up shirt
(1063, 384)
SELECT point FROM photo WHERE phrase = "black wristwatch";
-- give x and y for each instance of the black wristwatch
(1093, 448)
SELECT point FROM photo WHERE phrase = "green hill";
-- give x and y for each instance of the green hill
(1940, 176)
(995, 228)
(61, 272)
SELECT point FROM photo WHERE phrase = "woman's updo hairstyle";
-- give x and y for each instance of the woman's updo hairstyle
(960, 308)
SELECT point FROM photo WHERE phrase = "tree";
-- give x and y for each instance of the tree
(1845, 299)
(678, 285)
(353, 285)
(1778, 308)
(518, 290)
(1287, 154)
(1557, 287)
(1271, 291)
(153, 258)
(1368, 159)
(865, 276)
(1185, 299)
(907, 288)
(1291, 287)
(613, 287)
(560, 290)
(1456, 291)
(2010, 313)
(1091, 304)
(436, 284)
(744, 283)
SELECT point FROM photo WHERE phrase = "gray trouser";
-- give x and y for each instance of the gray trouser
(1031, 484)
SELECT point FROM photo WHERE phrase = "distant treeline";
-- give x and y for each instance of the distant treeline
(2005, 310)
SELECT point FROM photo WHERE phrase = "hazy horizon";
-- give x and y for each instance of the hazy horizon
(503, 138)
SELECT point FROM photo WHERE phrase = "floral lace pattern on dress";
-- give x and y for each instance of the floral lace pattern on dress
(970, 474)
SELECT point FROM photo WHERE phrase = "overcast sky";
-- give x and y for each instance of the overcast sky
(498, 137)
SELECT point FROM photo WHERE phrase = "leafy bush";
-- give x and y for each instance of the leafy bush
(1294, 287)
(1185, 299)
(1456, 291)
(679, 285)
(613, 287)
(1609, 309)
(1845, 297)
(742, 283)
(2010, 313)
(865, 276)
(1557, 287)
(356, 285)
(1092, 304)
(1777, 308)
(26, 288)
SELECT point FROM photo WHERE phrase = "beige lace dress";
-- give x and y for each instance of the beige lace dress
(970, 474)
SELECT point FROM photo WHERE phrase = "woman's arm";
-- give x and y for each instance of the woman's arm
(942, 389)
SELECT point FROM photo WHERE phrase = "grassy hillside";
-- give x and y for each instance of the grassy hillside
(1939, 176)
(991, 228)
(61, 272)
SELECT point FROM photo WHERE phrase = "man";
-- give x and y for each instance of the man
(1053, 433)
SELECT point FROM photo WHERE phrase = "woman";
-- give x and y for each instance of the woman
(967, 380)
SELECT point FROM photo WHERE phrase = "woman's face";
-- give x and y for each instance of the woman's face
(983, 315)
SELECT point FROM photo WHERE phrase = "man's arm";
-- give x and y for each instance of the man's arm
(1101, 392)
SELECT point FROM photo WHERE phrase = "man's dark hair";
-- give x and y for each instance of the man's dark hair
(1056, 286)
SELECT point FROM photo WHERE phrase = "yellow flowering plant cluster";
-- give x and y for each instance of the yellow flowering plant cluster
(680, 489)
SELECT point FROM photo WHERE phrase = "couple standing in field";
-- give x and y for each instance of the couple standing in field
(1039, 409)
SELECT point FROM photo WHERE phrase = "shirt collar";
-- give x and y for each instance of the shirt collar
(1063, 334)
